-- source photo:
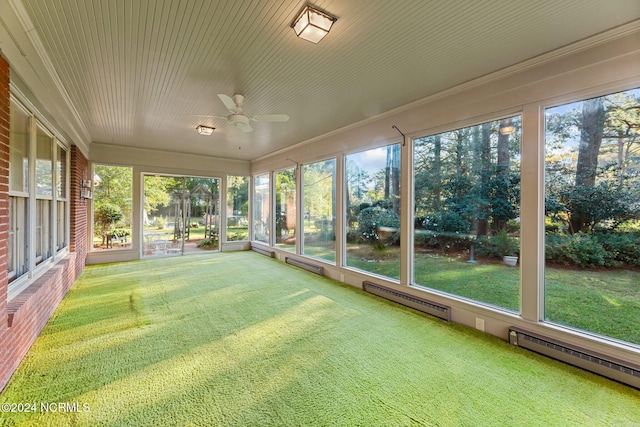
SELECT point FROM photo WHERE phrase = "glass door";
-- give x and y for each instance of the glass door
(181, 215)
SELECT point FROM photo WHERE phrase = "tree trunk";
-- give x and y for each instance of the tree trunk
(504, 158)
(593, 117)
(387, 174)
(437, 171)
(482, 228)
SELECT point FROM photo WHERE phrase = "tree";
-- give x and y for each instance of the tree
(593, 117)
(105, 216)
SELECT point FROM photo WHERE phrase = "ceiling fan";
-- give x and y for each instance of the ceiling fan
(237, 117)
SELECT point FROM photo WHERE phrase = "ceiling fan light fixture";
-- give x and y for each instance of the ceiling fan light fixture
(312, 24)
(205, 130)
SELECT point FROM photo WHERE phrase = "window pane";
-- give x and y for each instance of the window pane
(237, 208)
(61, 173)
(467, 203)
(17, 237)
(592, 211)
(19, 150)
(286, 209)
(43, 230)
(62, 225)
(319, 197)
(261, 208)
(18, 183)
(112, 206)
(373, 210)
(44, 166)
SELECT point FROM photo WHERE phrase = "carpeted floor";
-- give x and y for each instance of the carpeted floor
(238, 339)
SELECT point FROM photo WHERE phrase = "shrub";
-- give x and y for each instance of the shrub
(498, 246)
(446, 221)
(621, 247)
(580, 249)
(206, 243)
(160, 223)
(371, 219)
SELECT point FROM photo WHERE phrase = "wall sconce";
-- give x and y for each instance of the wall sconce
(312, 24)
(85, 188)
(205, 130)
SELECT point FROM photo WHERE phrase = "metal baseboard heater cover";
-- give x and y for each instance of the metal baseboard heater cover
(263, 251)
(606, 366)
(317, 269)
(420, 304)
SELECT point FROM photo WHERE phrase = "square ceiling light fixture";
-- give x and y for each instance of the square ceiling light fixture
(313, 24)
(205, 130)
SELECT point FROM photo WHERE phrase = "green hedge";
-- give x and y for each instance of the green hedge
(593, 250)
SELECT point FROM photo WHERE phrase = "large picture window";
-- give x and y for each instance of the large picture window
(372, 181)
(237, 208)
(261, 208)
(319, 209)
(18, 192)
(592, 215)
(466, 218)
(112, 207)
(285, 211)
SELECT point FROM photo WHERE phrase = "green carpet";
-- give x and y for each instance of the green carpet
(238, 339)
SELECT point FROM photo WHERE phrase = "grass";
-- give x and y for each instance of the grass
(605, 302)
(239, 339)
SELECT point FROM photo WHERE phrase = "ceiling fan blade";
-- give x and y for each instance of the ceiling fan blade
(212, 117)
(270, 118)
(246, 128)
(228, 102)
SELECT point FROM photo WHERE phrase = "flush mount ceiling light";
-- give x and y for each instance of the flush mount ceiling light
(205, 130)
(312, 24)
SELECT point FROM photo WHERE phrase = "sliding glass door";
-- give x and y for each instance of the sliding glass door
(181, 215)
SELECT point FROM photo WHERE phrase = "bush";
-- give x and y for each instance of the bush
(206, 243)
(580, 249)
(160, 223)
(371, 219)
(446, 221)
(621, 247)
(498, 246)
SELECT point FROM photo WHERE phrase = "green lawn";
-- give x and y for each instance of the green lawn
(606, 302)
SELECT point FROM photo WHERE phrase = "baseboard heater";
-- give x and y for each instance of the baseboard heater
(606, 366)
(421, 304)
(263, 251)
(305, 265)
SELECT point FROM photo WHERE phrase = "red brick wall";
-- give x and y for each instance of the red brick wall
(22, 319)
(79, 208)
(4, 216)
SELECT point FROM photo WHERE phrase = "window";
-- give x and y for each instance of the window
(285, 211)
(237, 208)
(466, 218)
(373, 210)
(319, 209)
(62, 200)
(592, 211)
(44, 194)
(38, 219)
(18, 191)
(112, 207)
(261, 208)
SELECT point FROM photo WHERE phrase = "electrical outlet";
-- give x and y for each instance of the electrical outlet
(342, 278)
(480, 324)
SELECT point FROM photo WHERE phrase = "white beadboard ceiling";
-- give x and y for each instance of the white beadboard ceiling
(142, 73)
